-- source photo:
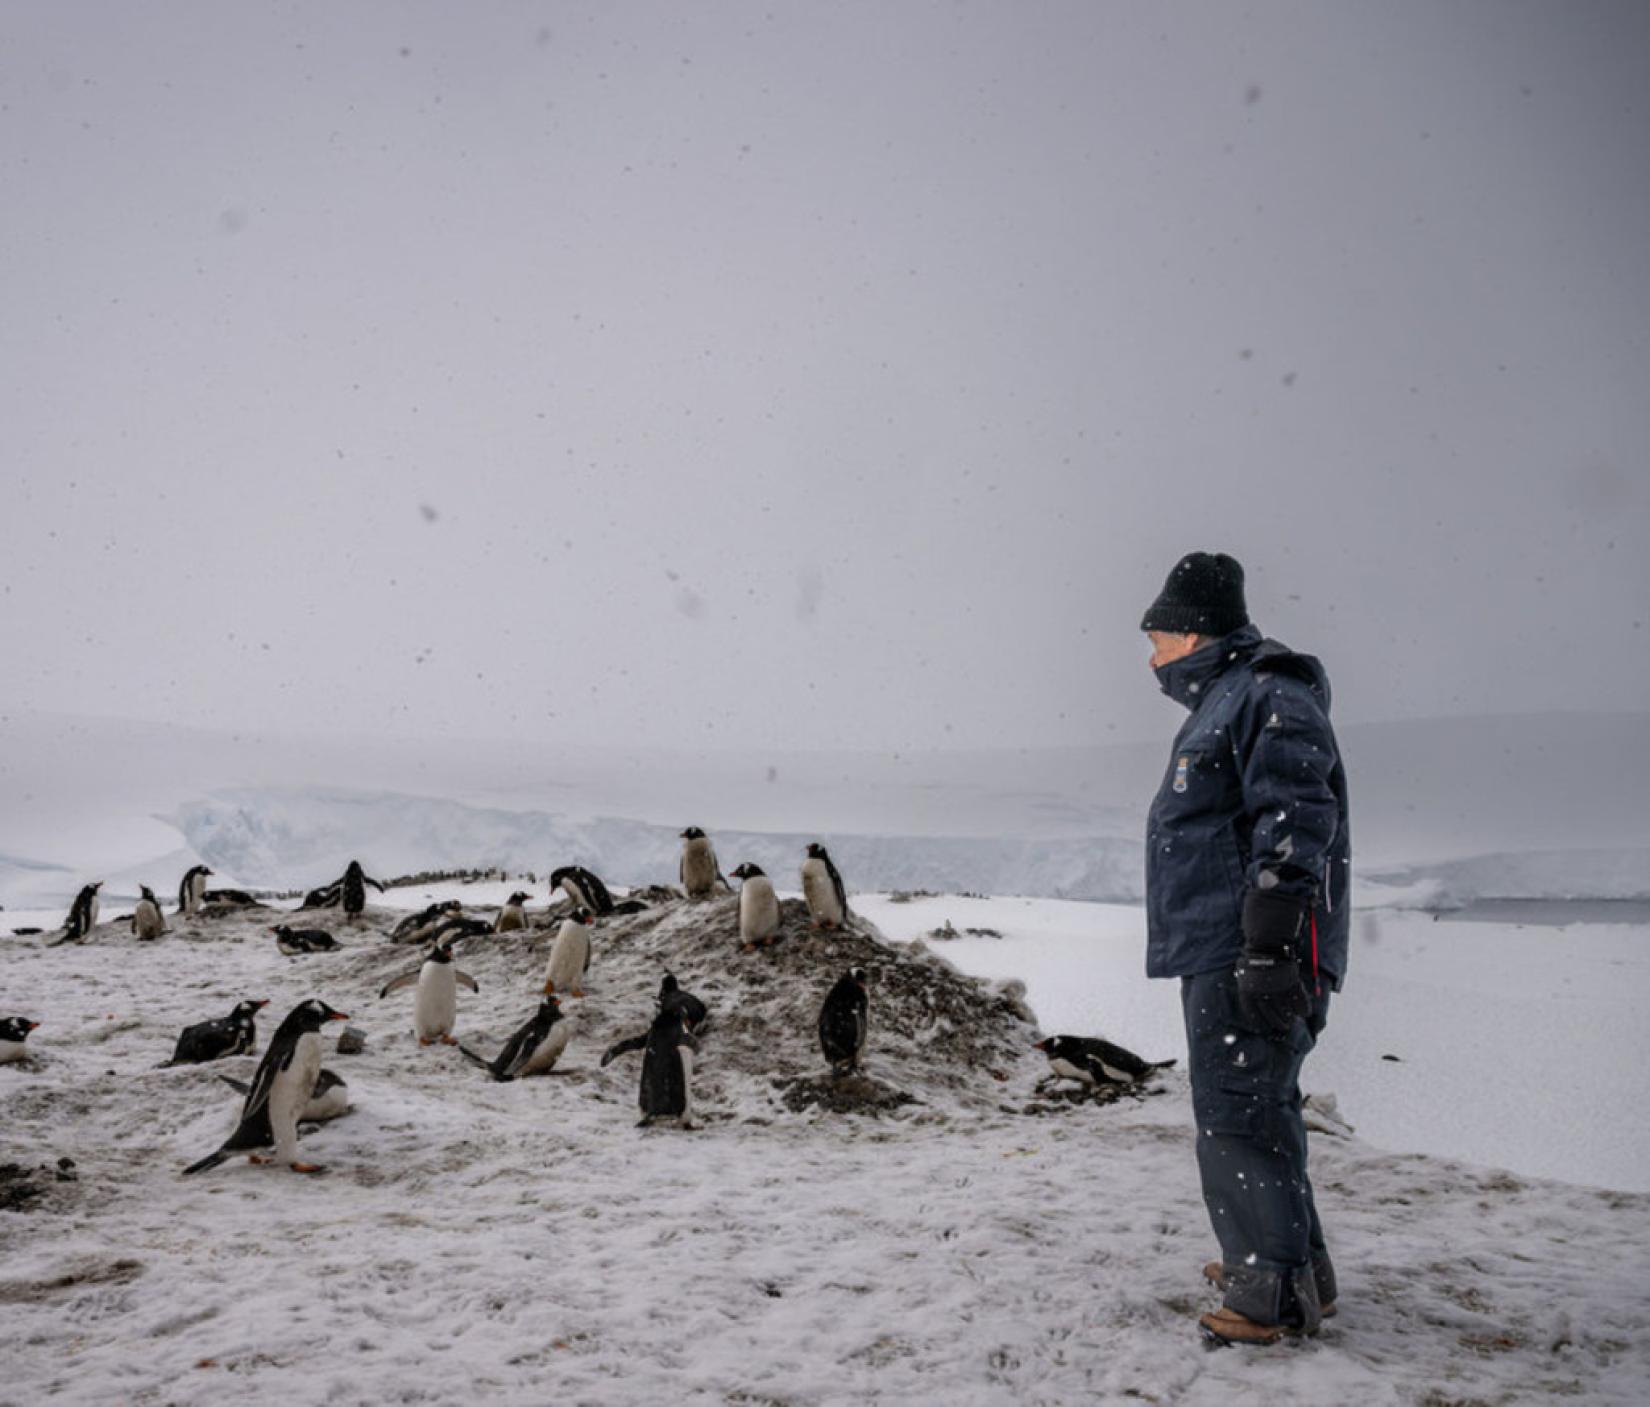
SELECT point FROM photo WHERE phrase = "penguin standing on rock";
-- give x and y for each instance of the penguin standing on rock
(435, 1003)
(534, 1048)
(570, 955)
(192, 889)
(843, 1021)
(823, 889)
(512, 918)
(235, 1034)
(295, 941)
(147, 920)
(14, 1030)
(1094, 1062)
(699, 872)
(82, 917)
(758, 908)
(281, 1090)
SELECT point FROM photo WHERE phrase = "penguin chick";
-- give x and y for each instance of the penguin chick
(192, 889)
(843, 1021)
(296, 941)
(823, 889)
(329, 1101)
(1095, 1062)
(281, 1089)
(435, 1002)
(570, 955)
(758, 908)
(512, 918)
(534, 1048)
(14, 1030)
(235, 1034)
(698, 869)
(147, 921)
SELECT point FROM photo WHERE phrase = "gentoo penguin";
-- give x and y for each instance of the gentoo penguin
(353, 889)
(570, 955)
(667, 1070)
(758, 908)
(235, 1034)
(14, 1030)
(511, 918)
(330, 1099)
(535, 1047)
(822, 888)
(698, 870)
(295, 941)
(842, 1021)
(326, 897)
(147, 921)
(417, 928)
(228, 896)
(671, 999)
(281, 1089)
(455, 926)
(1096, 1062)
(584, 888)
(192, 890)
(82, 917)
(435, 1003)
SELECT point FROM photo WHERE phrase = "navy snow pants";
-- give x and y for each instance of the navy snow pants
(1251, 1153)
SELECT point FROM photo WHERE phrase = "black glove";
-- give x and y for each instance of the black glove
(1269, 989)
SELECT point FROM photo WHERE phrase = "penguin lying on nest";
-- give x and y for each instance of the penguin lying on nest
(296, 941)
(281, 1090)
(586, 891)
(1095, 1062)
(14, 1030)
(329, 1101)
(235, 1034)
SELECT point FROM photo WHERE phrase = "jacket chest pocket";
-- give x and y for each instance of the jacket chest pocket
(1199, 779)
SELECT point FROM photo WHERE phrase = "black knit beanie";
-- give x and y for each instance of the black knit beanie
(1203, 596)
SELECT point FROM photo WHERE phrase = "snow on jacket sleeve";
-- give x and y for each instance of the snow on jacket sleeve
(1289, 804)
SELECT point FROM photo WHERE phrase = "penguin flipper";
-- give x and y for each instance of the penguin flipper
(239, 1086)
(211, 1160)
(375, 884)
(622, 1048)
(395, 984)
(486, 1065)
(465, 980)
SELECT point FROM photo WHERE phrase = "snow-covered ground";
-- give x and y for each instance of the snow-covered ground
(986, 1244)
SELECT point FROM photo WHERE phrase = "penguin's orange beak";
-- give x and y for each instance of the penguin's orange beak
(339, 1016)
(263, 1003)
(31, 1025)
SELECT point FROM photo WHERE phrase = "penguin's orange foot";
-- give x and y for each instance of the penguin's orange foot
(449, 1040)
(579, 993)
(426, 1040)
(258, 1159)
(306, 1167)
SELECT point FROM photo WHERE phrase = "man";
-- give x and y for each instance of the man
(1247, 877)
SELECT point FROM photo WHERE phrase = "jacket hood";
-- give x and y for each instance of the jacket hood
(1273, 656)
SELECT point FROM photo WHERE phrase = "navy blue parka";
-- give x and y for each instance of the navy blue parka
(1254, 798)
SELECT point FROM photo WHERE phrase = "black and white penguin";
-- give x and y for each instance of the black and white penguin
(281, 1090)
(512, 917)
(667, 1070)
(192, 889)
(147, 920)
(419, 927)
(455, 926)
(353, 889)
(672, 995)
(758, 908)
(238, 897)
(1095, 1062)
(534, 1048)
(296, 941)
(435, 1003)
(584, 889)
(843, 1021)
(235, 1034)
(698, 870)
(822, 888)
(330, 1099)
(82, 917)
(326, 897)
(570, 955)
(14, 1030)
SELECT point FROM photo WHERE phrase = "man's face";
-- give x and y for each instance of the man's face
(1169, 646)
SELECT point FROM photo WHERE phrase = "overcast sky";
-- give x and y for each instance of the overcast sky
(815, 375)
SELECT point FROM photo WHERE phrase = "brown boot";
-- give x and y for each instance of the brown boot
(1215, 1273)
(1227, 1326)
